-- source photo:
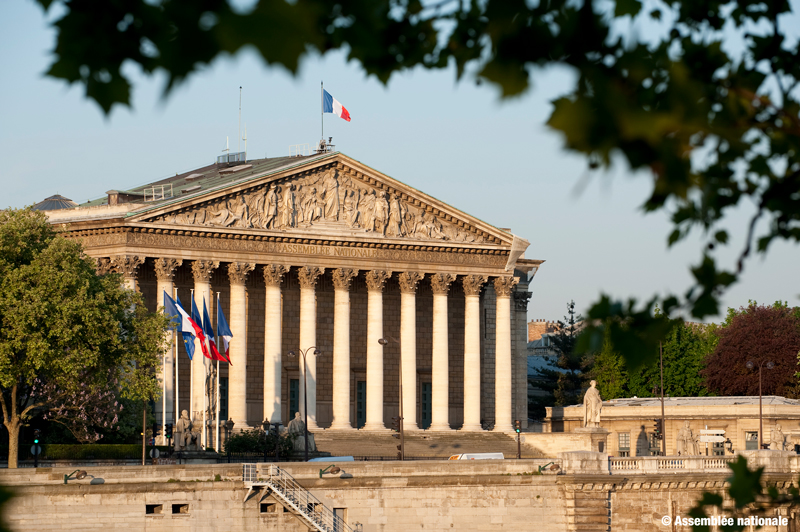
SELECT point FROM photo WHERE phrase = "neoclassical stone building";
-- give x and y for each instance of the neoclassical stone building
(324, 251)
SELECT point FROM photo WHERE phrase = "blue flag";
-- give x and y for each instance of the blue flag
(224, 332)
(188, 335)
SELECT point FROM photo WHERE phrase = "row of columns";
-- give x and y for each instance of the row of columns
(342, 278)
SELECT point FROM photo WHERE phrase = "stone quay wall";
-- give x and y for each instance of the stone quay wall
(381, 496)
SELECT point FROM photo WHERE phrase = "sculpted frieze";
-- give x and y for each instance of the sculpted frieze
(326, 200)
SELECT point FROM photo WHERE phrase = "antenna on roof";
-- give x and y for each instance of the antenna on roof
(245, 141)
(239, 145)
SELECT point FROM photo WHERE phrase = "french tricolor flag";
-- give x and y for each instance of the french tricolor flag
(332, 105)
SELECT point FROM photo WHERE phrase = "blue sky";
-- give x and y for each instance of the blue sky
(455, 141)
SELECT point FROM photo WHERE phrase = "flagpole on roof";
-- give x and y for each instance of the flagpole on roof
(205, 386)
(322, 110)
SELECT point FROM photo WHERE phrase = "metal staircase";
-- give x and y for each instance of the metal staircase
(294, 496)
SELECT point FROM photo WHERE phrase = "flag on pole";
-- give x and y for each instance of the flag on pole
(208, 330)
(224, 332)
(199, 330)
(181, 320)
(332, 105)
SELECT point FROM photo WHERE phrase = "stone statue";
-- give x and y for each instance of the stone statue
(288, 213)
(381, 215)
(331, 195)
(777, 442)
(271, 208)
(297, 431)
(687, 444)
(395, 227)
(367, 208)
(351, 208)
(184, 435)
(592, 405)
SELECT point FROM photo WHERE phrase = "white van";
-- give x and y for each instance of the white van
(478, 456)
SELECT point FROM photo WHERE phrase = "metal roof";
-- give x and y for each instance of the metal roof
(54, 203)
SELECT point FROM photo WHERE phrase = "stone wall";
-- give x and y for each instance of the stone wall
(381, 496)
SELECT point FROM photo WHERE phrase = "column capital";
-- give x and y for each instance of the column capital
(505, 285)
(376, 279)
(202, 270)
(237, 272)
(409, 281)
(104, 266)
(165, 268)
(473, 284)
(127, 265)
(342, 278)
(273, 274)
(440, 282)
(521, 300)
(308, 276)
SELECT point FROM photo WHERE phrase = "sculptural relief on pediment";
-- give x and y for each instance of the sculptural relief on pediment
(329, 200)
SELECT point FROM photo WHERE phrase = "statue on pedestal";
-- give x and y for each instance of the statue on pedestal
(185, 437)
(297, 431)
(592, 404)
(687, 444)
(777, 441)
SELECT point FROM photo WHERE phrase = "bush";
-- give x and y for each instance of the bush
(252, 441)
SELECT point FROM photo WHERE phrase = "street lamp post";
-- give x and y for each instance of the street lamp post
(228, 429)
(402, 454)
(305, 388)
(751, 365)
(266, 425)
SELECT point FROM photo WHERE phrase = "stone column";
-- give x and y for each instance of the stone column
(503, 286)
(127, 265)
(341, 348)
(375, 281)
(440, 404)
(308, 276)
(237, 371)
(519, 327)
(273, 276)
(201, 270)
(165, 408)
(408, 345)
(472, 351)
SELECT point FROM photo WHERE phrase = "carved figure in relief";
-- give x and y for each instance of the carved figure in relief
(220, 216)
(288, 212)
(239, 213)
(409, 222)
(350, 208)
(687, 444)
(330, 193)
(381, 216)
(367, 209)
(255, 207)
(271, 208)
(395, 227)
(311, 208)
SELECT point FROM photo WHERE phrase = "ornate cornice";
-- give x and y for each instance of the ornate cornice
(165, 268)
(409, 281)
(202, 270)
(127, 265)
(308, 276)
(473, 284)
(503, 286)
(440, 282)
(237, 272)
(273, 274)
(376, 279)
(342, 277)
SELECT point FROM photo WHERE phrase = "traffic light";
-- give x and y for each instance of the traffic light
(168, 431)
(517, 426)
(658, 429)
(396, 427)
(36, 435)
(156, 430)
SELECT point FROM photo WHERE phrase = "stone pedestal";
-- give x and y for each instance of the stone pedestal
(598, 436)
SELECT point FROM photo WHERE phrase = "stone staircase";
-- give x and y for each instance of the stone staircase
(418, 444)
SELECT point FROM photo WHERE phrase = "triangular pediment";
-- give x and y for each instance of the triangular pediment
(336, 197)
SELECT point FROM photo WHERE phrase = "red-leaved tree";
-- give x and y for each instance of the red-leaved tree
(761, 334)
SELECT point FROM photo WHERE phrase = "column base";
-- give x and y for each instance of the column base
(503, 428)
(374, 427)
(312, 425)
(340, 426)
(441, 427)
(472, 427)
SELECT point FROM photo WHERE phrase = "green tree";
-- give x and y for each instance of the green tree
(704, 100)
(610, 373)
(67, 335)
